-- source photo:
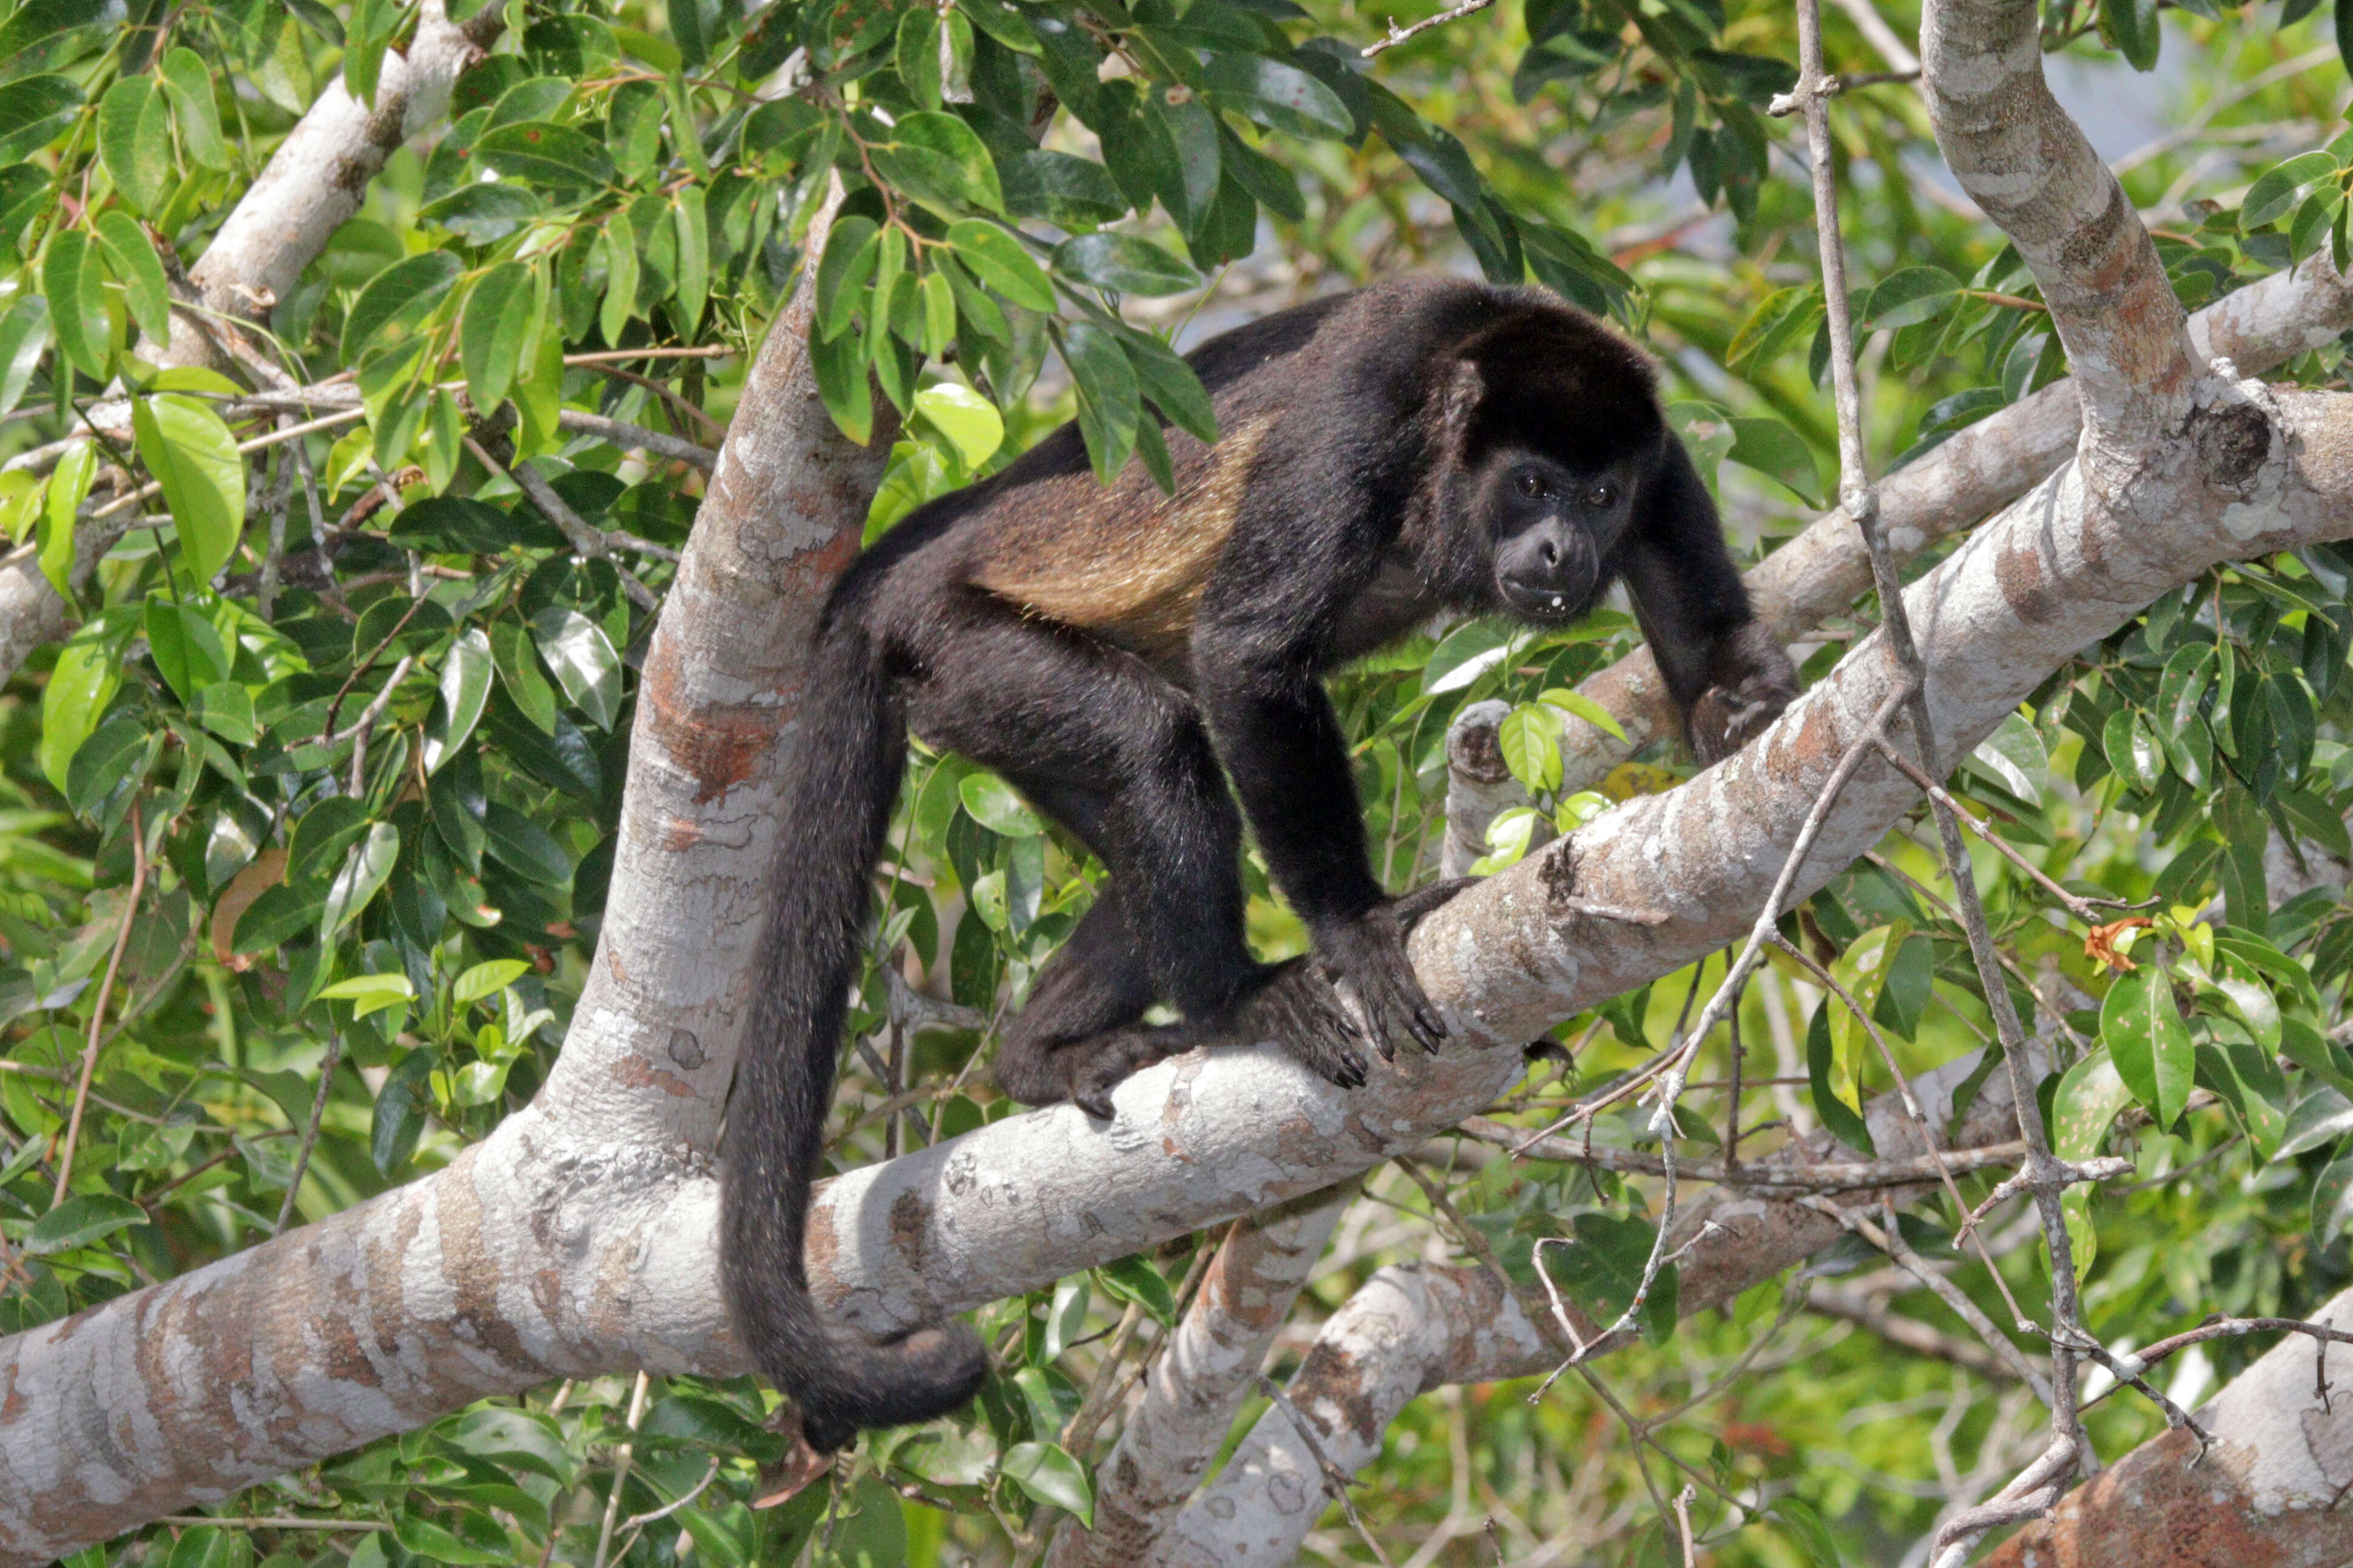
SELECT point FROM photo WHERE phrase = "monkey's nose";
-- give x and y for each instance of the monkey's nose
(1550, 553)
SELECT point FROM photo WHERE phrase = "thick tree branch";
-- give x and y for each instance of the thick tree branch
(2022, 159)
(577, 1237)
(2270, 1492)
(1199, 1382)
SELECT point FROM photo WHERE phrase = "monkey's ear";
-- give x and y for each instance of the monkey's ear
(1459, 395)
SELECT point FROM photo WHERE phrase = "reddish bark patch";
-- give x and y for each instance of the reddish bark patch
(637, 1072)
(911, 1225)
(2160, 1507)
(1331, 1377)
(2025, 584)
(719, 746)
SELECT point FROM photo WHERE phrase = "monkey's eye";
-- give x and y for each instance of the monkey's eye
(1601, 495)
(1532, 485)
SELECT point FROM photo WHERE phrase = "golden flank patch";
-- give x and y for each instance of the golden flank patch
(1075, 552)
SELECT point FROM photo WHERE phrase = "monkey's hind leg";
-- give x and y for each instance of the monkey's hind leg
(1081, 1033)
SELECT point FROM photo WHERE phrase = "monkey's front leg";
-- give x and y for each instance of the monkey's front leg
(1369, 952)
(1750, 681)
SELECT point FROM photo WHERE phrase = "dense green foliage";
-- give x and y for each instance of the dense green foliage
(328, 775)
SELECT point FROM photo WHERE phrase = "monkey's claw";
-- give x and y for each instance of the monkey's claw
(1369, 952)
(1299, 1012)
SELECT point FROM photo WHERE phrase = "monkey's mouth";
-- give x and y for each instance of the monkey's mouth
(1553, 600)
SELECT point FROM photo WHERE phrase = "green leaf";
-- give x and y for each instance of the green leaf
(517, 666)
(68, 487)
(526, 848)
(2150, 1045)
(499, 315)
(582, 656)
(195, 107)
(80, 1221)
(1134, 1279)
(371, 993)
(998, 259)
(1813, 1535)
(1913, 294)
(995, 806)
(323, 835)
(546, 154)
(620, 243)
(398, 297)
(461, 1536)
(2332, 1190)
(1530, 737)
(465, 687)
(940, 161)
(1050, 1474)
(1468, 651)
(24, 336)
(698, 1421)
(196, 460)
(1844, 1120)
(1066, 1316)
(2275, 191)
(847, 266)
(839, 365)
(2014, 756)
(186, 647)
(74, 279)
(131, 256)
(363, 872)
(1124, 264)
(1783, 318)
(2322, 1117)
(1278, 96)
(488, 979)
(694, 255)
(1586, 708)
(226, 708)
(1778, 453)
(1600, 1266)
(35, 110)
(88, 671)
(2132, 27)
(103, 761)
(134, 140)
(1862, 970)
(2088, 1099)
(454, 799)
(1109, 406)
(969, 421)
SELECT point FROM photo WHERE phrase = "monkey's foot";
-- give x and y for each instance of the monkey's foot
(1369, 952)
(1084, 1071)
(1109, 1058)
(1754, 681)
(1298, 1010)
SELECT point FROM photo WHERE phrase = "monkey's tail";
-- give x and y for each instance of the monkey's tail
(843, 781)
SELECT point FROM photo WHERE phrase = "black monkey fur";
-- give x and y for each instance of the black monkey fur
(1119, 655)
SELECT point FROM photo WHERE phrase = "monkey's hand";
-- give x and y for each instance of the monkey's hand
(1370, 953)
(1298, 1010)
(1751, 682)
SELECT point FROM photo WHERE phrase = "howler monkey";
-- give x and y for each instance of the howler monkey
(1122, 656)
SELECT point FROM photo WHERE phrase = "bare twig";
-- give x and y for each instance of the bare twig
(1397, 35)
(311, 1129)
(97, 1013)
(622, 1459)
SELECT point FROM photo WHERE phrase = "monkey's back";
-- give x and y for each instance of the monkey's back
(1129, 563)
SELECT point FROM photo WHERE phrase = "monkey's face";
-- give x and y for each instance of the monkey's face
(1552, 528)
